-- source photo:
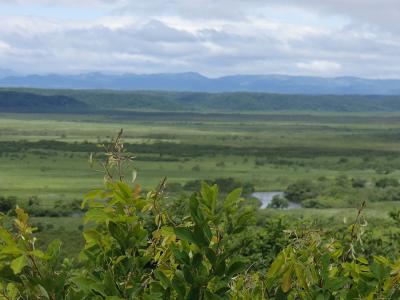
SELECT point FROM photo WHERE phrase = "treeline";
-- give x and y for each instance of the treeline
(37, 208)
(341, 191)
(193, 150)
(15, 101)
(217, 102)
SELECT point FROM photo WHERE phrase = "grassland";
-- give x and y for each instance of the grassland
(46, 156)
(269, 150)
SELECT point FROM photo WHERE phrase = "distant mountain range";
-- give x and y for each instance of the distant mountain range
(194, 82)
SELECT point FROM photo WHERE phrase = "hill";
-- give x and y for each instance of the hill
(37, 100)
(194, 82)
(15, 101)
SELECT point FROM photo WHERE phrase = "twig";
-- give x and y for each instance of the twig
(353, 231)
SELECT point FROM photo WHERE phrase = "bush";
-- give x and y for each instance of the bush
(220, 164)
(196, 168)
(278, 202)
(225, 185)
(300, 191)
(7, 203)
(387, 182)
(358, 183)
(342, 181)
(313, 203)
(174, 187)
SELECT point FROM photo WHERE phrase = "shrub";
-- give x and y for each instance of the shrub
(220, 164)
(278, 202)
(300, 191)
(387, 182)
(358, 183)
(225, 185)
(196, 168)
(313, 203)
(7, 203)
(174, 187)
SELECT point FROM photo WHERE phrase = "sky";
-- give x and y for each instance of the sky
(213, 37)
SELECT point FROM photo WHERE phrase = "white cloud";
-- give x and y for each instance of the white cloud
(4, 47)
(320, 66)
(382, 13)
(311, 37)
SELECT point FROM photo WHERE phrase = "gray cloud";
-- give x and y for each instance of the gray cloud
(383, 13)
(210, 37)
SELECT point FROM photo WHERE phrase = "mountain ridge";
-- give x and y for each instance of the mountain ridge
(195, 82)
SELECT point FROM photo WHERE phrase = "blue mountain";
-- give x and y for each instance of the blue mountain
(194, 82)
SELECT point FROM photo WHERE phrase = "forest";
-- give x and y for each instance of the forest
(114, 101)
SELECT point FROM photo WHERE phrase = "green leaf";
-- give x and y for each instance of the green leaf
(184, 234)
(38, 254)
(201, 239)
(195, 211)
(363, 260)
(209, 195)
(88, 285)
(194, 293)
(54, 249)
(187, 274)
(12, 291)
(163, 278)
(235, 268)
(109, 284)
(11, 250)
(181, 256)
(7, 275)
(43, 292)
(97, 216)
(212, 296)
(6, 236)
(179, 285)
(301, 275)
(335, 284)
(211, 256)
(286, 281)
(92, 195)
(379, 271)
(197, 260)
(126, 191)
(118, 233)
(18, 264)
(223, 290)
(232, 198)
(220, 268)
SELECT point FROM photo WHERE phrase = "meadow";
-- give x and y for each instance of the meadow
(44, 158)
(269, 150)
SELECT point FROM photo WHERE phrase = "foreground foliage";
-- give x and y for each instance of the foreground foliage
(135, 250)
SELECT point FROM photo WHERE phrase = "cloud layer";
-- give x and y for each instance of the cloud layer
(308, 37)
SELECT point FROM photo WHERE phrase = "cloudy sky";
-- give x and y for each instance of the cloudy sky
(213, 37)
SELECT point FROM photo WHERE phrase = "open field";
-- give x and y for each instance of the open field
(45, 157)
(271, 151)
